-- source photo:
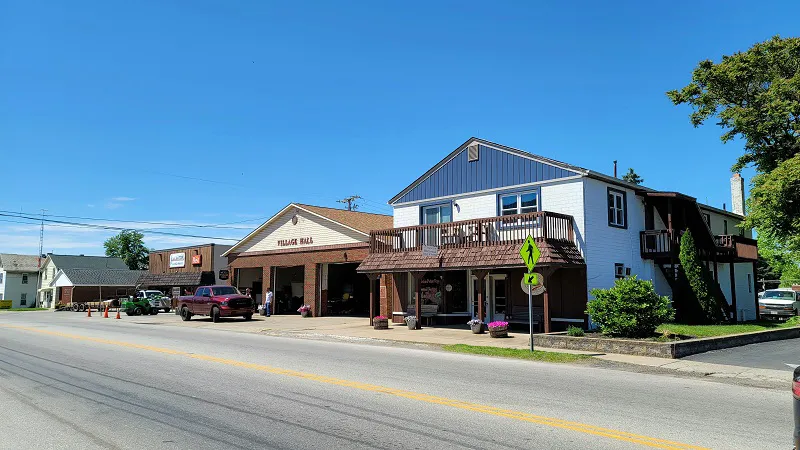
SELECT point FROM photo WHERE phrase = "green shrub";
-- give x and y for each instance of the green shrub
(574, 331)
(631, 308)
(699, 280)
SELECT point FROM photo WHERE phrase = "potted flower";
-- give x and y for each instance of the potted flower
(411, 321)
(380, 322)
(476, 326)
(305, 310)
(498, 329)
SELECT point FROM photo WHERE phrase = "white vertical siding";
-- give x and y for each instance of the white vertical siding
(745, 291)
(14, 289)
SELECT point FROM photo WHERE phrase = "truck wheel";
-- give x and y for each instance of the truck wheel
(248, 316)
(129, 312)
(137, 311)
(185, 314)
(166, 310)
(215, 314)
(153, 311)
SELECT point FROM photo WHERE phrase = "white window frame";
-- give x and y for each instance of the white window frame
(618, 274)
(619, 198)
(23, 299)
(24, 278)
(519, 206)
(2, 275)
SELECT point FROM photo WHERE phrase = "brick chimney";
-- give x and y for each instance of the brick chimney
(737, 194)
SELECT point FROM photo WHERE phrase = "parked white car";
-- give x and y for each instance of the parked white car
(779, 303)
(157, 299)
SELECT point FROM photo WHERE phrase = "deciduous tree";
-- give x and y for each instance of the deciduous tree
(128, 245)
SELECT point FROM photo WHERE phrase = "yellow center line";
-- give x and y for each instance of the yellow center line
(483, 409)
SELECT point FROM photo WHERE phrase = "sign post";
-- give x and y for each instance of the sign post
(530, 256)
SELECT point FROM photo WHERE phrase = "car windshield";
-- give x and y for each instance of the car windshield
(153, 293)
(225, 290)
(782, 295)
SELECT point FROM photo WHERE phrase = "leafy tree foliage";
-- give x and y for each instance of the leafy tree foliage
(631, 308)
(128, 245)
(699, 279)
(632, 177)
(774, 203)
(756, 97)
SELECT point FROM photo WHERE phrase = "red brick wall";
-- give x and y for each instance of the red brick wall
(65, 295)
(308, 259)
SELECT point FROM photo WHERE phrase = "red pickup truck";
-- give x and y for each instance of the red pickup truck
(216, 301)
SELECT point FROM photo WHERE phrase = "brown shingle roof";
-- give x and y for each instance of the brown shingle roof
(486, 257)
(361, 221)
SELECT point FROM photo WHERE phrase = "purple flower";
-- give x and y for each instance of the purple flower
(498, 324)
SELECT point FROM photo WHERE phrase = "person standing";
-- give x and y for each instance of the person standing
(268, 302)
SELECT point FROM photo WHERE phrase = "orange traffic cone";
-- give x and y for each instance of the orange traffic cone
(105, 314)
(118, 317)
(89, 311)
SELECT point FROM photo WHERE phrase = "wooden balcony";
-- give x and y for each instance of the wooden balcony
(656, 244)
(503, 230)
(737, 247)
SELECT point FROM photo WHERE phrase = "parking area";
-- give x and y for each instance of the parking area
(776, 355)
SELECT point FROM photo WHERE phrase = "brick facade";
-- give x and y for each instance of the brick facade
(310, 260)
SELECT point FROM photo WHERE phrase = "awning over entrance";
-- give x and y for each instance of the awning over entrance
(560, 254)
(176, 279)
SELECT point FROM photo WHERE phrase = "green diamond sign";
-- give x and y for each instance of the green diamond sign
(530, 253)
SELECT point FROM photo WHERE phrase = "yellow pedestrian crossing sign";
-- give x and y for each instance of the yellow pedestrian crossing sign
(529, 253)
(531, 278)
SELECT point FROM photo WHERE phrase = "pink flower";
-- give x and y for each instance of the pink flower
(497, 324)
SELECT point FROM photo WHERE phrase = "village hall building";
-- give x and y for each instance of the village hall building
(308, 255)
(473, 209)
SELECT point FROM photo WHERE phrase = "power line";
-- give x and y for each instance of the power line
(112, 228)
(144, 222)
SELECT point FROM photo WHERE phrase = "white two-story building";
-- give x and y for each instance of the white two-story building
(478, 204)
(19, 277)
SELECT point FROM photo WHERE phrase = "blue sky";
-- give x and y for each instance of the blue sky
(212, 112)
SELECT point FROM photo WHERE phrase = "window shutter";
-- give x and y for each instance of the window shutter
(472, 153)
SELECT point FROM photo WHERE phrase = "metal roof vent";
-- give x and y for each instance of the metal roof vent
(472, 153)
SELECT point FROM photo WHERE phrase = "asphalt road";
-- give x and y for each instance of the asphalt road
(778, 355)
(77, 382)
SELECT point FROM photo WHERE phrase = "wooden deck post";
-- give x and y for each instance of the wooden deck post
(418, 293)
(546, 273)
(733, 291)
(372, 277)
(480, 275)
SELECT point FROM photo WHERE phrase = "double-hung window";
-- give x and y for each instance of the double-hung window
(522, 203)
(617, 209)
(24, 278)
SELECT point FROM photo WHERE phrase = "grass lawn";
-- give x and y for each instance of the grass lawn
(24, 309)
(536, 355)
(702, 331)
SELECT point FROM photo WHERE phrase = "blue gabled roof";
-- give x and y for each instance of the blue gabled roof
(497, 167)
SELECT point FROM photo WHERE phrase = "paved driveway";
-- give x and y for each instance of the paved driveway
(766, 355)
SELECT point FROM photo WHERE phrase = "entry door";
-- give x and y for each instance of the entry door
(498, 297)
(495, 292)
(434, 215)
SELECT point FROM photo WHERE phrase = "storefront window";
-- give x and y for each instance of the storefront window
(430, 290)
(455, 287)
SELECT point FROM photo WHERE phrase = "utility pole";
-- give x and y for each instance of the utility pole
(351, 202)
(41, 239)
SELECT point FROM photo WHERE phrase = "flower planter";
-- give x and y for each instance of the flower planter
(477, 329)
(381, 324)
(498, 332)
(412, 324)
(305, 313)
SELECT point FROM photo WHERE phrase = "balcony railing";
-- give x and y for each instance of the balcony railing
(662, 243)
(657, 243)
(475, 233)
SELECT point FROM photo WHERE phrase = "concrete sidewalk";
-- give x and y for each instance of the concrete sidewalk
(352, 329)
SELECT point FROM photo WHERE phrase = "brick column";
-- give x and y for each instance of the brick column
(266, 277)
(310, 287)
(386, 294)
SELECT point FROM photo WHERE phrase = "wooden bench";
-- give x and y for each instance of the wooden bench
(427, 311)
(520, 315)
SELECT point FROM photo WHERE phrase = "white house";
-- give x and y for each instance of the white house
(478, 204)
(19, 276)
(49, 294)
